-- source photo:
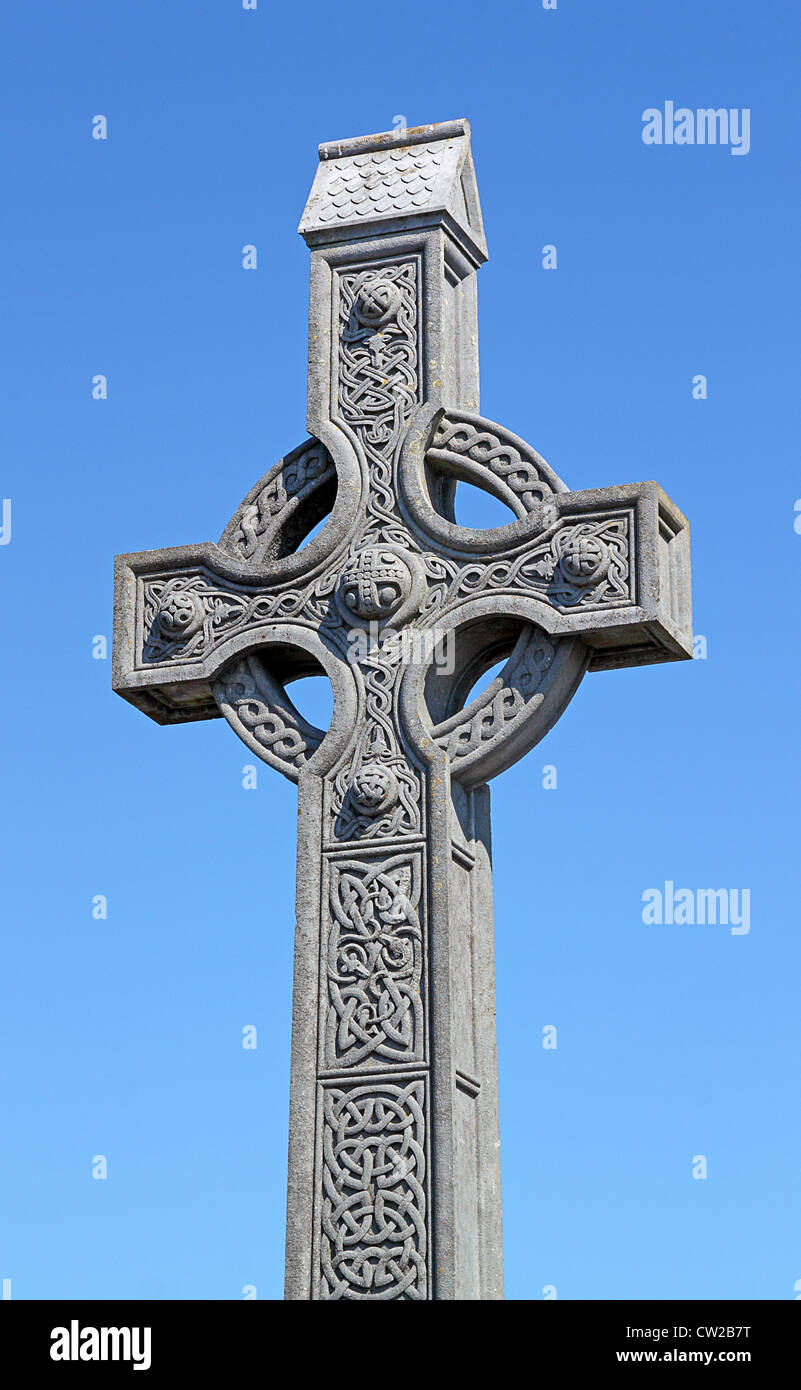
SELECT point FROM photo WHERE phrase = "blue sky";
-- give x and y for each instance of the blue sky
(122, 1037)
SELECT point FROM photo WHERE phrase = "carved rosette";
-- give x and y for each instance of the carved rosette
(381, 584)
(374, 789)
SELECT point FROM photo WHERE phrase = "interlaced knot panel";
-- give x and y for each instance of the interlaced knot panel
(374, 1241)
(375, 964)
(379, 376)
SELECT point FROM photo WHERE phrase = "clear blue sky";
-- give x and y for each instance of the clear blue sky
(122, 1037)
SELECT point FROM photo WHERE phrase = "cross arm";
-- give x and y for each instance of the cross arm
(171, 608)
(180, 617)
(609, 565)
(181, 614)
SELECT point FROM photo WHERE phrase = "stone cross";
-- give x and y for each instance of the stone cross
(394, 1170)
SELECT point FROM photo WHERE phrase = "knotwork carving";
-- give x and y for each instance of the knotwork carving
(524, 476)
(374, 1240)
(584, 564)
(509, 697)
(440, 576)
(374, 789)
(374, 963)
(273, 519)
(260, 712)
(201, 613)
(378, 386)
(378, 746)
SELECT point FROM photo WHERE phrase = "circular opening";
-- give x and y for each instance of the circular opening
(315, 530)
(483, 682)
(474, 507)
(313, 697)
(480, 650)
(306, 520)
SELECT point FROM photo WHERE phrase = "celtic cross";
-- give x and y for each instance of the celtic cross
(394, 1177)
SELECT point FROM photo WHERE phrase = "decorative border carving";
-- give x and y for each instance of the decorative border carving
(185, 616)
(467, 446)
(509, 698)
(586, 564)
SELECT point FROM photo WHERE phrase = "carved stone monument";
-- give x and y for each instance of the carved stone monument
(394, 1172)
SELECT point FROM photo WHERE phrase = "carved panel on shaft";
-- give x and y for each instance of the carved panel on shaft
(374, 1241)
(374, 965)
(378, 379)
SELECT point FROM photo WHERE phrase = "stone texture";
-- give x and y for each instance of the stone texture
(394, 1177)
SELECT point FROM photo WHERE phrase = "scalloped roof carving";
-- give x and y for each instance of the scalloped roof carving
(421, 176)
